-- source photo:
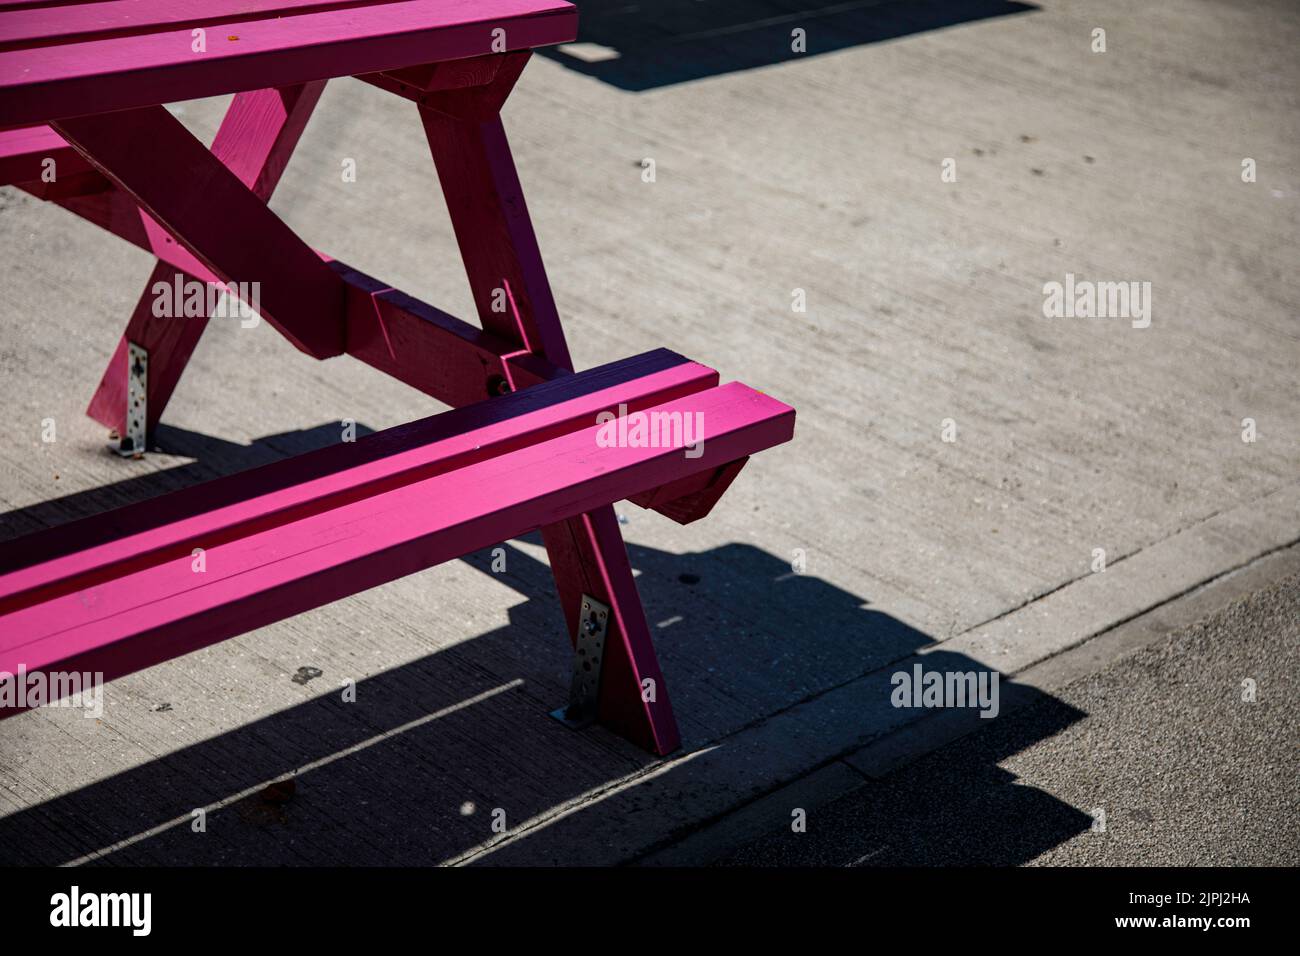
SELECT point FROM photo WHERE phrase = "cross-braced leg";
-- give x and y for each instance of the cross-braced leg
(510, 289)
(255, 142)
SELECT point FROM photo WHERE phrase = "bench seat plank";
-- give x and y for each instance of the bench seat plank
(415, 504)
(151, 531)
(24, 150)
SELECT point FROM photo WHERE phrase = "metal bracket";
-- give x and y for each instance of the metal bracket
(588, 658)
(132, 444)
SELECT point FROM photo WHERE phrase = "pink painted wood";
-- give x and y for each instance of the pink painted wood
(500, 250)
(115, 610)
(397, 456)
(293, 531)
(488, 212)
(76, 58)
(170, 343)
(150, 155)
(432, 351)
(75, 21)
(254, 142)
(442, 356)
(692, 497)
(426, 348)
(23, 153)
(117, 212)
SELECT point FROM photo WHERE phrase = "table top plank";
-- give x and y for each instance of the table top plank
(71, 75)
(82, 20)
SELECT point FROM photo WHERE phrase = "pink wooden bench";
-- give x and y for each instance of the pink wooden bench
(82, 125)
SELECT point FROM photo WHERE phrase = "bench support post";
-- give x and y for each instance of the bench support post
(504, 265)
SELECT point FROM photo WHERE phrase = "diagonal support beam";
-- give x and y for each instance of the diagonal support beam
(261, 129)
(255, 142)
(454, 361)
(148, 153)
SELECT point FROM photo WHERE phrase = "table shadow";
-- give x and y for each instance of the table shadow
(644, 46)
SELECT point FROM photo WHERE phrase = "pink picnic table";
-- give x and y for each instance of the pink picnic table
(82, 125)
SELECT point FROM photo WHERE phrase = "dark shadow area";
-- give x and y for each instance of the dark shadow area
(952, 807)
(643, 45)
(415, 769)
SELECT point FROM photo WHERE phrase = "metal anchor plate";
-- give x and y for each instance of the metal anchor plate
(132, 443)
(588, 658)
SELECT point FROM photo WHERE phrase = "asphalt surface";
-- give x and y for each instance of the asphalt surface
(1186, 771)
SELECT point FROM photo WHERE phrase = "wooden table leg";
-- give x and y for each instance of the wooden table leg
(587, 556)
(504, 265)
(255, 142)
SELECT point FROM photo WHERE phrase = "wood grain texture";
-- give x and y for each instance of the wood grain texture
(261, 129)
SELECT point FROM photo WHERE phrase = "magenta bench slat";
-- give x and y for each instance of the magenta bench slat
(112, 596)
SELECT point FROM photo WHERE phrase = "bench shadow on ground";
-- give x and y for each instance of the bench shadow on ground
(953, 806)
(642, 46)
(412, 771)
